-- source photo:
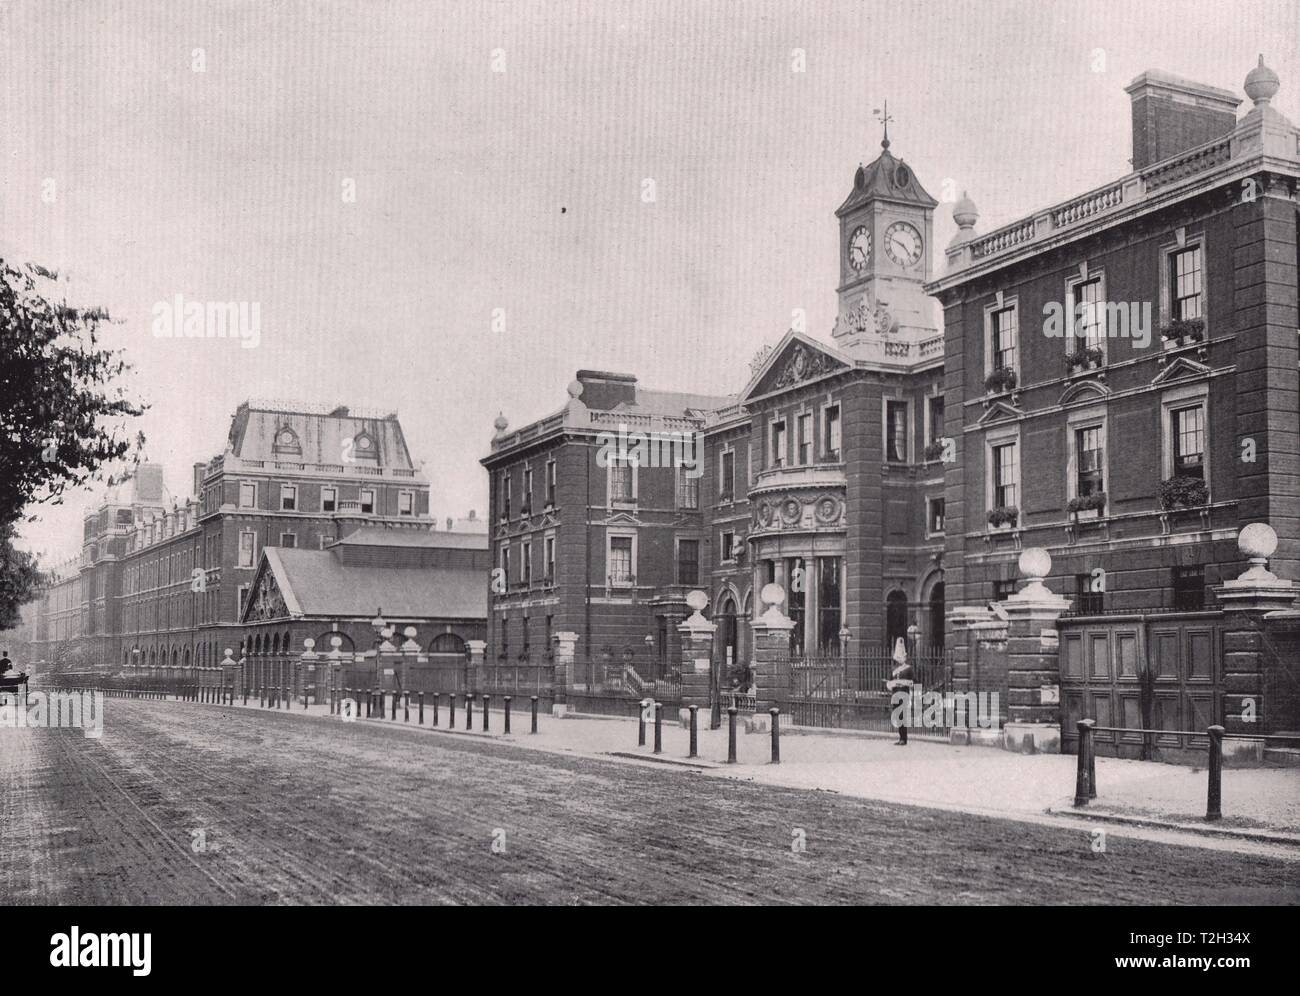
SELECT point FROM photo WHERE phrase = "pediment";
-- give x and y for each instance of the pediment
(999, 411)
(1180, 368)
(622, 519)
(796, 360)
(1084, 390)
(267, 594)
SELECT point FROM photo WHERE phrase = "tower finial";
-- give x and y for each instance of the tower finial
(883, 116)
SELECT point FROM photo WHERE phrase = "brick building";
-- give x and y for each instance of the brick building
(164, 583)
(890, 478)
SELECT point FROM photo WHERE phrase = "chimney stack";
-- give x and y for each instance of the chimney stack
(1172, 115)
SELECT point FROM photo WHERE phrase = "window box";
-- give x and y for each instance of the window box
(934, 450)
(1183, 492)
(1004, 515)
(526, 508)
(1184, 331)
(1085, 358)
(1087, 503)
(1000, 380)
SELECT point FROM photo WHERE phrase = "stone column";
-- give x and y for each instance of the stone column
(771, 653)
(1246, 601)
(566, 648)
(1033, 658)
(309, 660)
(697, 653)
(410, 654)
(477, 664)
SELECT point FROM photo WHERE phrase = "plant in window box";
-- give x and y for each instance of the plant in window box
(1183, 492)
(1184, 330)
(1087, 503)
(1001, 379)
(1003, 515)
(934, 450)
(1084, 358)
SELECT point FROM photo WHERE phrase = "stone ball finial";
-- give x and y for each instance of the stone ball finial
(1261, 83)
(309, 643)
(575, 389)
(697, 600)
(229, 652)
(1035, 563)
(964, 212)
(772, 595)
(336, 641)
(501, 423)
(1257, 541)
(409, 632)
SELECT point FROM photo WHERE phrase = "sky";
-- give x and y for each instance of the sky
(439, 208)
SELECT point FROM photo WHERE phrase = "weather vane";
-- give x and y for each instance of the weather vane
(884, 117)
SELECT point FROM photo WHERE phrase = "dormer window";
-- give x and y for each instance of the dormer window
(286, 441)
(364, 448)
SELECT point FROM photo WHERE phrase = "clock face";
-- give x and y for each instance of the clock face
(859, 249)
(903, 243)
(286, 438)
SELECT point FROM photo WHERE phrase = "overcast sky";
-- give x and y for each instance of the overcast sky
(521, 190)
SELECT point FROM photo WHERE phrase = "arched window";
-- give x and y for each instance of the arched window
(447, 643)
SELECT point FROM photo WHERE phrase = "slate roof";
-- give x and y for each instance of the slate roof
(315, 583)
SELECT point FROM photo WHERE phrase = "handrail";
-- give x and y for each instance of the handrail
(1195, 733)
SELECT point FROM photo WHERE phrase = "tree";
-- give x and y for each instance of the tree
(19, 578)
(64, 416)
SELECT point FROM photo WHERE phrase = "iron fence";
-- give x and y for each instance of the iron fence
(849, 691)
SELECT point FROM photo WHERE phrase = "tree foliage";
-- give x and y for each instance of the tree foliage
(64, 415)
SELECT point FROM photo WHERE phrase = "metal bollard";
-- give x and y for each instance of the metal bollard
(1092, 764)
(420, 715)
(640, 723)
(507, 722)
(487, 699)
(659, 727)
(451, 711)
(1214, 797)
(775, 713)
(1082, 778)
(534, 700)
(731, 734)
(406, 707)
(394, 715)
(245, 695)
(695, 732)
(469, 711)
(435, 710)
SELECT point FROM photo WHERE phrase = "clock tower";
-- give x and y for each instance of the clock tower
(886, 225)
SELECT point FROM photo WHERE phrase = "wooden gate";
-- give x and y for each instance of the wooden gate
(1149, 672)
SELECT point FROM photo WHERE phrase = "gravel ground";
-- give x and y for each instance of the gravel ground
(182, 803)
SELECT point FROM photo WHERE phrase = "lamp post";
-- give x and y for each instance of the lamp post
(135, 658)
(379, 624)
(652, 666)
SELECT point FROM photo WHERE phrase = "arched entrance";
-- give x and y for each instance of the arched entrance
(935, 622)
(895, 619)
(727, 633)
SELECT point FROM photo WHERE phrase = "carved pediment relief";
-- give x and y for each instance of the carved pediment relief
(999, 411)
(799, 512)
(267, 601)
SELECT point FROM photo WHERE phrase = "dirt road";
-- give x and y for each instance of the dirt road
(185, 803)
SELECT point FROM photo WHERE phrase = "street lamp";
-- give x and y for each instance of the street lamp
(651, 666)
(135, 657)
